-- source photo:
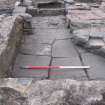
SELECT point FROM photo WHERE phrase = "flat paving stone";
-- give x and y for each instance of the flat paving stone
(24, 60)
(97, 64)
(64, 48)
(36, 49)
(63, 34)
(48, 22)
(77, 74)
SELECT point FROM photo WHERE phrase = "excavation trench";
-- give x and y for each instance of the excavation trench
(48, 42)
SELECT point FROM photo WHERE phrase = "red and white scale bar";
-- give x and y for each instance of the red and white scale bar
(55, 67)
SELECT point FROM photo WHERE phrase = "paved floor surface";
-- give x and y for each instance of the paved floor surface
(51, 44)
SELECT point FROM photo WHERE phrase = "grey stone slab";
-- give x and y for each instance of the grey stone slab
(32, 46)
(77, 74)
(97, 64)
(64, 48)
(48, 22)
(43, 39)
(81, 36)
(24, 60)
(45, 32)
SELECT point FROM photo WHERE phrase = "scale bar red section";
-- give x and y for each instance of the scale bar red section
(41, 67)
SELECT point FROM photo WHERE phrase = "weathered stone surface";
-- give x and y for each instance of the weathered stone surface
(19, 9)
(7, 3)
(91, 39)
(32, 10)
(27, 2)
(36, 49)
(25, 60)
(77, 19)
(95, 43)
(97, 66)
(66, 92)
(11, 32)
(48, 22)
(69, 1)
(77, 74)
(9, 96)
(64, 48)
(52, 92)
(81, 36)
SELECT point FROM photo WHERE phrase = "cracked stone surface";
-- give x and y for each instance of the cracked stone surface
(77, 74)
(24, 60)
(64, 48)
(50, 44)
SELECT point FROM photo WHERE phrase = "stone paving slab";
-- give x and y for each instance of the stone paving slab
(97, 64)
(33, 47)
(48, 22)
(77, 74)
(64, 48)
(23, 60)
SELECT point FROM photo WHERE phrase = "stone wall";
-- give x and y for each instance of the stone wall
(10, 33)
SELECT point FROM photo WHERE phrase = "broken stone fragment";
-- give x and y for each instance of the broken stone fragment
(81, 36)
(95, 43)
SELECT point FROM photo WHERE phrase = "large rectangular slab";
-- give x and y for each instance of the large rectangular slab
(32, 46)
(97, 64)
(77, 74)
(24, 60)
(64, 48)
